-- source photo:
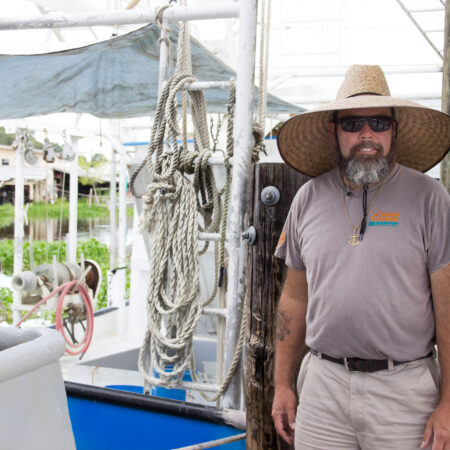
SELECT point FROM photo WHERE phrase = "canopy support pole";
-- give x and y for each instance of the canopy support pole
(18, 223)
(243, 144)
(73, 205)
(203, 11)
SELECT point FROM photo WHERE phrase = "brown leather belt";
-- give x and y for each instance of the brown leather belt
(364, 365)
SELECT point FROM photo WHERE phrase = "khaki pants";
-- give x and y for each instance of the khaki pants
(371, 411)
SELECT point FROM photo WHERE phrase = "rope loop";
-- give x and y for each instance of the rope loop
(159, 21)
(258, 146)
(187, 161)
(175, 210)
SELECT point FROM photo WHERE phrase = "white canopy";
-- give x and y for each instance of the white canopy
(117, 78)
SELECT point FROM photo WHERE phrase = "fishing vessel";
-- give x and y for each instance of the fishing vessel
(162, 369)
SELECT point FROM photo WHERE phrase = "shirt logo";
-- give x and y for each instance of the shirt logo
(282, 239)
(384, 219)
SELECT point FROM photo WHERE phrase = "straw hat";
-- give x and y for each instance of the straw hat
(423, 136)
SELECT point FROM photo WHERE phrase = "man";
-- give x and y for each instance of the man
(367, 288)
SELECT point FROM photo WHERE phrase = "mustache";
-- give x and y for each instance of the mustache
(364, 145)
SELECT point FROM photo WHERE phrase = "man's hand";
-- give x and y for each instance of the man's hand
(283, 413)
(438, 428)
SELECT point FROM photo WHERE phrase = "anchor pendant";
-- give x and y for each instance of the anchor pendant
(354, 241)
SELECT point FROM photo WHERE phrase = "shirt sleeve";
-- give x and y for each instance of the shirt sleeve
(438, 251)
(288, 247)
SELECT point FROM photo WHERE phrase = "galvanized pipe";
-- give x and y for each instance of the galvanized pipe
(112, 210)
(205, 11)
(203, 85)
(18, 226)
(205, 387)
(73, 203)
(414, 21)
(243, 144)
(215, 442)
(209, 236)
(122, 243)
(222, 312)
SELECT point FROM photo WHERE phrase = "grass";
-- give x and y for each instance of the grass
(6, 215)
(39, 211)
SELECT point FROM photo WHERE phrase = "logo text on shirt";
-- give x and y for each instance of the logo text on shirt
(384, 219)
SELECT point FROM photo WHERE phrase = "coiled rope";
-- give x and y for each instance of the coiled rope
(172, 204)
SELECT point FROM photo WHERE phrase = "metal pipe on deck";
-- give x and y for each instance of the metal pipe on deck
(73, 205)
(205, 11)
(112, 210)
(243, 144)
(122, 243)
(18, 224)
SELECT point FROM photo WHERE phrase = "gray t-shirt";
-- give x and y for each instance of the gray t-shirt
(372, 300)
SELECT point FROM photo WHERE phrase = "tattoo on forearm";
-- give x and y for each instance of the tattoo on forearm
(283, 325)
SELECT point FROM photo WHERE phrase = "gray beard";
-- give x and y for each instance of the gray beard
(366, 172)
(363, 170)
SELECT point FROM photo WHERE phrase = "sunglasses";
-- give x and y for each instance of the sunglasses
(353, 124)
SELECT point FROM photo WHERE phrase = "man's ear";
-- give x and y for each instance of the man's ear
(395, 129)
(332, 131)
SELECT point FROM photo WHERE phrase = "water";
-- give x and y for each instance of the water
(49, 229)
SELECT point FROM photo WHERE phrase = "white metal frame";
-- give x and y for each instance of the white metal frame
(246, 11)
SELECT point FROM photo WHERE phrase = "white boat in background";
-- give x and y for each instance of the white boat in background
(32, 391)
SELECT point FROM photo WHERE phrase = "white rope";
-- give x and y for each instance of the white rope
(260, 116)
(170, 216)
(266, 65)
(171, 207)
(259, 127)
(184, 66)
(165, 35)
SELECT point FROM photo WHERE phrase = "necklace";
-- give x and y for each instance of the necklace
(354, 239)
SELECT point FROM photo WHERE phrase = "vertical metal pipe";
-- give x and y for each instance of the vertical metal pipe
(122, 243)
(112, 210)
(73, 204)
(241, 170)
(18, 226)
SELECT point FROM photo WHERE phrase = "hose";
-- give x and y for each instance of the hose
(64, 289)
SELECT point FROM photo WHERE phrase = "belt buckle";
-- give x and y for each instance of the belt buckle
(347, 367)
(354, 365)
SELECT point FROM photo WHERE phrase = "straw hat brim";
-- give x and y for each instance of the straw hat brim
(423, 137)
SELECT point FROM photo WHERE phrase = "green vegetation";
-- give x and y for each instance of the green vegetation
(6, 138)
(89, 167)
(39, 211)
(6, 215)
(6, 298)
(43, 252)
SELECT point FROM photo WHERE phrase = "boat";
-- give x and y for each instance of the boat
(115, 396)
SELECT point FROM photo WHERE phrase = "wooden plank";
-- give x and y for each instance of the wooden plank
(264, 281)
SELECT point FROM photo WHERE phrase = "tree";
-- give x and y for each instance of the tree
(98, 158)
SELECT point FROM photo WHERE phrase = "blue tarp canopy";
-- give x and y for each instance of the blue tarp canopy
(117, 78)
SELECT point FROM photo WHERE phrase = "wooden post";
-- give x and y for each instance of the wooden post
(264, 282)
(445, 163)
